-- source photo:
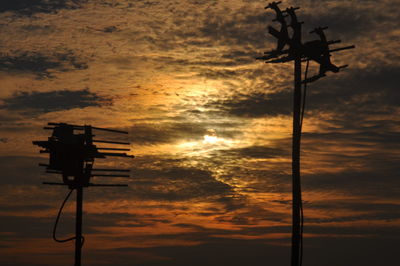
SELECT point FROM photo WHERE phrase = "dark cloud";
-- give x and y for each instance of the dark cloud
(38, 227)
(224, 251)
(44, 102)
(257, 152)
(25, 207)
(29, 7)
(369, 250)
(219, 250)
(20, 170)
(241, 28)
(380, 133)
(110, 29)
(364, 92)
(39, 29)
(351, 19)
(347, 23)
(255, 104)
(253, 216)
(370, 172)
(33, 63)
(372, 211)
(367, 91)
(108, 218)
(155, 133)
(372, 183)
(208, 27)
(164, 180)
(177, 183)
(40, 64)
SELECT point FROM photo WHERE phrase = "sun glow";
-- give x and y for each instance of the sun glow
(211, 139)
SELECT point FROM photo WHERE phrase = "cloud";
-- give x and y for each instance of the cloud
(168, 132)
(359, 183)
(369, 91)
(155, 133)
(204, 52)
(205, 26)
(255, 104)
(45, 102)
(110, 29)
(29, 7)
(345, 22)
(41, 65)
(241, 27)
(256, 152)
(219, 252)
(370, 211)
(177, 184)
(20, 170)
(350, 18)
(17, 225)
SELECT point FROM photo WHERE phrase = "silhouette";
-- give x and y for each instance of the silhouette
(297, 51)
(282, 35)
(72, 155)
(317, 50)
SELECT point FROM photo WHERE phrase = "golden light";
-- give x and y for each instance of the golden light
(210, 139)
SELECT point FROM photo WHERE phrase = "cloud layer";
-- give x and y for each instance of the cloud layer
(211, 130)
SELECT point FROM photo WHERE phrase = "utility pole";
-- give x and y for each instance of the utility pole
(72, 155)
(298, 52)
(296, 138)
(296, 187)
(78, 226)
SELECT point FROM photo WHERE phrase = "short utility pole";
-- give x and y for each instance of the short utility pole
(72, 155)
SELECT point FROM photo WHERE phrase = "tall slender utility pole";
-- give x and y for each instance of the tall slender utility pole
(296, 187)
(296, 138)
(297, 51)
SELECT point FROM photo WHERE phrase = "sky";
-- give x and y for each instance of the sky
(210, 128)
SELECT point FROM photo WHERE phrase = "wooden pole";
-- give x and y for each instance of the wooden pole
(296, 185)
(78, 225)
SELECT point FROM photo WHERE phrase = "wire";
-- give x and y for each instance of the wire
(303, 107)
(58, 218)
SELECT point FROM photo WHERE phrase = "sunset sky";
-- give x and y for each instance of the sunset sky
(210, 127)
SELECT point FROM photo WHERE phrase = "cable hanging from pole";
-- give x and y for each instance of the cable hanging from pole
(303, 107)
(58, 218)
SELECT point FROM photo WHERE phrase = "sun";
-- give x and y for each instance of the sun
(210, 139)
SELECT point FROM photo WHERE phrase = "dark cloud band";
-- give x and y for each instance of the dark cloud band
(45, 102)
